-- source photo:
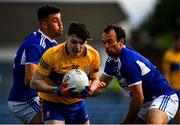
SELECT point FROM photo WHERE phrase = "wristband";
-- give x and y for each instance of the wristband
(55, 88)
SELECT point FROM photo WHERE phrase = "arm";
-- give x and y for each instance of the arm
(32, 55)
(94, 74)
(105, 78)
(39, 84)
(103, 83)
(29, 70)
(137, 99)
(95, 87)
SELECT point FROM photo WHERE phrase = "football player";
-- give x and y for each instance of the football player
(74, 53)
(153, 101)
(23, 101)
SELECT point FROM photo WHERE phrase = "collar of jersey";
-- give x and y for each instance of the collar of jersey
(85, 50)
(51, 40)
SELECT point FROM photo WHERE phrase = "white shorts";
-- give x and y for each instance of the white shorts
(165, 103)
(25, 111)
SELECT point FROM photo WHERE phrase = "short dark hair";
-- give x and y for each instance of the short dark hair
(45, 11)
(80, 30)
(120, 33)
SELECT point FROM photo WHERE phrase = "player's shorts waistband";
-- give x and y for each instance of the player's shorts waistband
(62, 104)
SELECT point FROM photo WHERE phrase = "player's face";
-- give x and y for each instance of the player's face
(75, 46)
(111, 44)
(54, 25)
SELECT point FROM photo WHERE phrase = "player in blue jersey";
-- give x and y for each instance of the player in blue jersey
(23, 102)
(152, 101)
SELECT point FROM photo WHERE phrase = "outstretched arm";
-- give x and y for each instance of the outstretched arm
(39, 84)
(102, 83)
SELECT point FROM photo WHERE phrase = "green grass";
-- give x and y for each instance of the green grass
(114, 84)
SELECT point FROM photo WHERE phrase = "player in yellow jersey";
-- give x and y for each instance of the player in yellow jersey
(73, 53)
(171, 68)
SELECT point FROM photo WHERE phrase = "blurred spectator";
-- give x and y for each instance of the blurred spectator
(171, 68)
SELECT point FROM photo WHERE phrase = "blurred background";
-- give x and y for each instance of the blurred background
(149, 24)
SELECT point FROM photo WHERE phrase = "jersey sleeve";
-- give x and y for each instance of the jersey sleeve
(108, 69)
(32, 55)
(46, 63)
(133, 74)
(95, 66)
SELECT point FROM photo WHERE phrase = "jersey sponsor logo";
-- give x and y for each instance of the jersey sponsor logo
(75, 66)
(44, 64)
(61, 67)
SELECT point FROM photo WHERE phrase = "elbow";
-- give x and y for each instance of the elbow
(138, 98)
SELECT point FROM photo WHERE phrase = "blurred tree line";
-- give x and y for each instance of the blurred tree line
(155, 34)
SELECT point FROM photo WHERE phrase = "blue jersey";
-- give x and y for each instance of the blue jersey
(30, 51)
(131, 68)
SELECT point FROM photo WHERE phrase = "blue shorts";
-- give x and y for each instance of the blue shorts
(71, 114)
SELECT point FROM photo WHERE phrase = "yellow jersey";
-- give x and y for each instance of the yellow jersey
(56, 61)
(171, 63)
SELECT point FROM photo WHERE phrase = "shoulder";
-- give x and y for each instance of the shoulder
(29, 41)
(129, 55)
(133, 60)
(56, 50)
(33, 36)
(92, 50)
(33, 39)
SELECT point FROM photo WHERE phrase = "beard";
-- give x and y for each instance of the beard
(58, 33)
(112, 54)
